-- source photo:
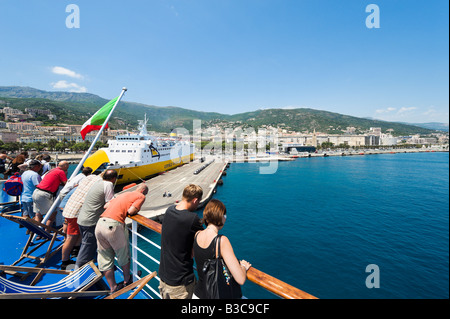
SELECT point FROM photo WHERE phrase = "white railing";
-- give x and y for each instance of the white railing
(135, 262)
(256, 276)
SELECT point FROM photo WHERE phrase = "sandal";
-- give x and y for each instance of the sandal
(119, 286)
(128, 282)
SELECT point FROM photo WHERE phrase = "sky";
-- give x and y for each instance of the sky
(234, 56)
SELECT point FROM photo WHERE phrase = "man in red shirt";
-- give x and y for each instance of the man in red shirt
(46, 190)
(112, 234)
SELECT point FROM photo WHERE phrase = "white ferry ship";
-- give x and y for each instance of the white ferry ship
(140, 156)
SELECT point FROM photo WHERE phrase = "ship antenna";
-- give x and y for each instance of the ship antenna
(144, 125)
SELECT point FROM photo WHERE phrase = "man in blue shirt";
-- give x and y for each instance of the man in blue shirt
(30, 178)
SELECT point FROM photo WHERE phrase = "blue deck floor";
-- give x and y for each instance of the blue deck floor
(13, 239)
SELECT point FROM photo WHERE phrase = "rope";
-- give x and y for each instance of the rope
(118, 174)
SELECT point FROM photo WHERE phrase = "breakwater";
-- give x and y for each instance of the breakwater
(325, 153)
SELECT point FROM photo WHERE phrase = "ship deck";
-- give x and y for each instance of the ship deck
(13, 240)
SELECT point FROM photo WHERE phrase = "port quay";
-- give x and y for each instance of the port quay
(75, 158)
(166, 188)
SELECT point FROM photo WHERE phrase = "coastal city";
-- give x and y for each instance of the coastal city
(21, 130)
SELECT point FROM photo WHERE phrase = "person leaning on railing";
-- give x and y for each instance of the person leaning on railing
(112, 235)
(214, 217)
(178, 229)
(45, 192)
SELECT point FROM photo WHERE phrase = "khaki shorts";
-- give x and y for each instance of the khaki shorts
(42, 201)
(112, 240)
(176, 292)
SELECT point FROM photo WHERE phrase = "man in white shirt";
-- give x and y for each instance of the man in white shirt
(99, 194)
(46, 164)
(74, 182)
(70, 213)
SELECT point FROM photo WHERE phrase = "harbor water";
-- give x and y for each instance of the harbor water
(317, 223)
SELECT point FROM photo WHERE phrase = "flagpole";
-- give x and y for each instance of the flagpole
(86, 155)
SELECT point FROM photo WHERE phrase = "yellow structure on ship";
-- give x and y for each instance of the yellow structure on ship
(140, 156)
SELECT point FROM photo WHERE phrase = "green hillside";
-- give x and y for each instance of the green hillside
(306, 119)
(76, 108)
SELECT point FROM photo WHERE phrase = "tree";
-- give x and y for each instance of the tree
(100, 144)
(39, 146)
(60, 147)
(83, 146)
(52, 143)
(11, 147)
(327, 145)
(345, 146)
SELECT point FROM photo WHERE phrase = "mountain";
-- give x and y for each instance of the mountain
(28, 92)
(432, 126)
(323, 121)
(76, 108)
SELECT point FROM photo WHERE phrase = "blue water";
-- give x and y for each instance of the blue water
(318, 222)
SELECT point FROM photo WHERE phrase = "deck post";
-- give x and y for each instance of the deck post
(134, 257)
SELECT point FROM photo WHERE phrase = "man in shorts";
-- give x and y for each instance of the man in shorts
(112, 235)
(99, 194)
(70, 213)
(46, 190)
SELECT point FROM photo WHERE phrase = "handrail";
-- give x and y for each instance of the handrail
(260, 278)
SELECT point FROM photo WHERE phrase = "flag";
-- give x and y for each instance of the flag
(96, 121)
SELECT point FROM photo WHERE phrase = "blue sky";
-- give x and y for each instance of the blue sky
(233, 56)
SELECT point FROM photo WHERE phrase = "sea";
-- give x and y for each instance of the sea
(351, 227)
(357, 227)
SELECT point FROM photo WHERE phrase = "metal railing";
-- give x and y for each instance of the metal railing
(135, 250)
(256, 276)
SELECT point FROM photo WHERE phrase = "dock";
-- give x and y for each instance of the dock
(326, 153)
(172, 183)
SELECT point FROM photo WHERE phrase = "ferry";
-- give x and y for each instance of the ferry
(140, 156)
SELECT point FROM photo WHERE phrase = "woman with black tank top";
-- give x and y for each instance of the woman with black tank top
(214, 217)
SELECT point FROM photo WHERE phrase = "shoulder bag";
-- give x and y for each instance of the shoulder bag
(219, 282)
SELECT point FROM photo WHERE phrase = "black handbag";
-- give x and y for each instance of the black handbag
(219, 282)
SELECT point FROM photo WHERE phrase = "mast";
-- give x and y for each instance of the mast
(86, 155)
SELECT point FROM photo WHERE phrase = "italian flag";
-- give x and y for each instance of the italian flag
(96, 121)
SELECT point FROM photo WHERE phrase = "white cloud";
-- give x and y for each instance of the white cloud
(431, 111)
(392, 113)
(407, 109)
(413, 114)
(434, 114)
(388, 110)
(174, 10)
(72, 87)
(63, 71)
(290, 107)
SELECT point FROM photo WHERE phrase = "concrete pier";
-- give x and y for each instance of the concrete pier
(174, 182)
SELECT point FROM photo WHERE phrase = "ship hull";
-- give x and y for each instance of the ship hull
(139, 156)
(142, 172)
